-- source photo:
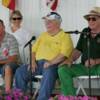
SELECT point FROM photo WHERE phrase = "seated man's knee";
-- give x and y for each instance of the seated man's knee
(22, 68)
(17, 71)
(22, 71)
(62, 68)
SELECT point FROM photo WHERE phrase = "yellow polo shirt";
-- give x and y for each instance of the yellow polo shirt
(48, 47)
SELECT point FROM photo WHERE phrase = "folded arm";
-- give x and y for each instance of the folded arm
(10, 59)
(74, 56)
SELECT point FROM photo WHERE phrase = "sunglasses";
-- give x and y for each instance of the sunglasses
(19, 18)
(91, 19)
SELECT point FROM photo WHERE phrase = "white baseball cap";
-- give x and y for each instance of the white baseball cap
(53, 16)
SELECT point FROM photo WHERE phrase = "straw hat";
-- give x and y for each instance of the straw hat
(94, 12)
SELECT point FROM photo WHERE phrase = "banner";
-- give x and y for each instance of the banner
(9, 4)
(52, 4)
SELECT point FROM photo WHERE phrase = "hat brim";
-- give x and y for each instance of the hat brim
(51, 19)
(92, 14)
(47, 18)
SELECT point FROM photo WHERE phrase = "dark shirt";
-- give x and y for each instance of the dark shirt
(89, 46)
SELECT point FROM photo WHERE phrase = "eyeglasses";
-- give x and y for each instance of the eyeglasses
(91, 19)
(19, 18)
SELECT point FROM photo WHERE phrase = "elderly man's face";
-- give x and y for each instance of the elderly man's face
(51, 24)
(94, 22)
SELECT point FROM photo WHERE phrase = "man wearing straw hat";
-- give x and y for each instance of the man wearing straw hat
(67, 70)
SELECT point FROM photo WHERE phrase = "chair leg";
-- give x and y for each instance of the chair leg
(36, 91)
(80, 88)
(38, 77)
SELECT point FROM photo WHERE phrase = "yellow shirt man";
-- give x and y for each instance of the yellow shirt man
(47, 47)
(49, 50)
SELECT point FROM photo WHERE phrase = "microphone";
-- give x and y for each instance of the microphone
(73, 32)
(87, 31)
(33, 38)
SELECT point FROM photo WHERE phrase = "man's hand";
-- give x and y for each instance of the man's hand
(67, 62)
(47, 64)
(92, 63)
(34, 66)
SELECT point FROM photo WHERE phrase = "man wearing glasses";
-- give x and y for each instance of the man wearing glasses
(67, 70)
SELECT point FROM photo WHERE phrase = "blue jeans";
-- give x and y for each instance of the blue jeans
(22, 77)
